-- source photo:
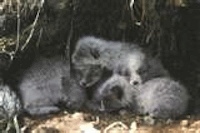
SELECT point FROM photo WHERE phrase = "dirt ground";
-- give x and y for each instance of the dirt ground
(80, 122)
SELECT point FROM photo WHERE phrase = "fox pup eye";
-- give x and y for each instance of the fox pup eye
(134, 83)
(141, 71)
(127, 73)
(94, 53)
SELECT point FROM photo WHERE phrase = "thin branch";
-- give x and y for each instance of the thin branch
(69, 39)
(33, 26)
(18, 25)
(38, 41)
(16, 124)
(131, 4)
(143, 10)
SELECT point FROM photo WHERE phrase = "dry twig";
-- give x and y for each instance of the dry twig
(33, 25)
(113, 125)
(18, 25)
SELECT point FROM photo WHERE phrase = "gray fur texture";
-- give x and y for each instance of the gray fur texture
(139, 68)
(88, 75)
(152, 68)
(115, 94)
(46, 84)
(92, 55)
(162, 98)
(98, 53)
(134, 72)
(10, 104)
(129, 65)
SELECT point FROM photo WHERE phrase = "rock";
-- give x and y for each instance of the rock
(184, 123)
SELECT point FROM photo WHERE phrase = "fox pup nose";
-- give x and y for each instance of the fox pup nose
(83, 83)
(134, 82)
